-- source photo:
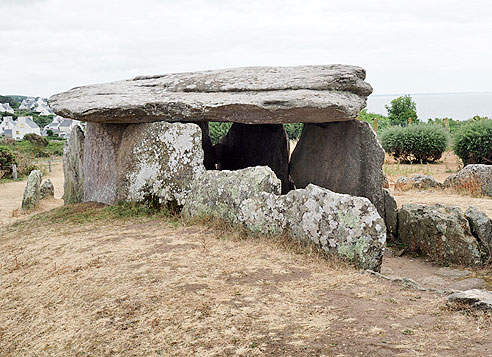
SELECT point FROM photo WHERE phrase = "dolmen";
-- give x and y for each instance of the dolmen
(147, 139)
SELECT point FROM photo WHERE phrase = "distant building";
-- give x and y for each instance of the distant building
(23, 126)
(60, 126)
(6, 108)
(8, 123)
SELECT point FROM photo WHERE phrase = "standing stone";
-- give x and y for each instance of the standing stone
(209, 159)
(32, 192)
(159, 161)
(439, 232)
(73, 167)
(348, 226)
(221, 193)
(344, 157)
(390, 213)
(248, 145)
(481, 227)
(101, 147)
(47, 189)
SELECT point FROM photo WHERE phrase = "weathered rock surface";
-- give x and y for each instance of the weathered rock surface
(479, 299)
(343, 157)
(73, 167)
(439, 232)
(476, 179)
(47, 189)
(101, 148)
(417, 182)
(32, 192)
(481, 227)
(141, 162)
(250, 95)
(348, 226)
(247, 145)
(390, 213)
(221, 193)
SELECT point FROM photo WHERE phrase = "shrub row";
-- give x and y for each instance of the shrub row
(415, 143)
(473, 142)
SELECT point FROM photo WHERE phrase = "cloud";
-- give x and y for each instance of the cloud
(418, 46)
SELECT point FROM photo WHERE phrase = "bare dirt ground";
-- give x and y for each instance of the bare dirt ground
(160, 287)
(153, 288)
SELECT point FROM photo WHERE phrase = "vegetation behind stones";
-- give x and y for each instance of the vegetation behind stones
(473, 142)
(415, 143)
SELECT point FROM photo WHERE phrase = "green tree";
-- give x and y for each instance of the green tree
(400, 109)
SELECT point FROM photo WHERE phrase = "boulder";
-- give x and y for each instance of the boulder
(32, 192)
(481, 227)
(221, 193)
(47, 189)
(73, 167)
(250, 95)
(247, 145)
(479, 299)
(348, 226)
(159, 161)
(343, 157)
(417, 182)
(439, 232)
(475, 179)
(390, 213)
(101, 149)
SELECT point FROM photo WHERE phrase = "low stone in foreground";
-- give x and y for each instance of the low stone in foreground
(32, 192)
(439, 232)
(417, 182)
(348, 226)
(47, 189)
(476, 298)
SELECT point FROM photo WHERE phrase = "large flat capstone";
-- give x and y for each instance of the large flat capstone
(250, 95)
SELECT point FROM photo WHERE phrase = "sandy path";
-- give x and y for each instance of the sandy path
(11, 195)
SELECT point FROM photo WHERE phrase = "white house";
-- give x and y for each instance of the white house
(60, 126)
(6, 108)
(8, 123)
(23, 126)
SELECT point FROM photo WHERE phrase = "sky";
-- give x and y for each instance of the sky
(418, 46)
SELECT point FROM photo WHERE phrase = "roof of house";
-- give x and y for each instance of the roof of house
(66, 123)
(30, 122)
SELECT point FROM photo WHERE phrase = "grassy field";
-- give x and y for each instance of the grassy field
(92, 280)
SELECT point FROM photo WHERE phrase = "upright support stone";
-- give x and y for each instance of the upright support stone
(73, 167)
(100, 168)
(247, 145)
(345, 157)
(32, 192)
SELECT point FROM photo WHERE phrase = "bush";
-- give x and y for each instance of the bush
(415, 143)
(36, 140)
(293, 130)
(473, 142)
(218, 130)
(7, 159)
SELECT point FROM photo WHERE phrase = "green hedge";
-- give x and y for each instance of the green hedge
(473, 142)
(415, 143)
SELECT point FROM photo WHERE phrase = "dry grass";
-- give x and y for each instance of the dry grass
(81, 281)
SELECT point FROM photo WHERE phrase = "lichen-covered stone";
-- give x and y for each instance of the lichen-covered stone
(349, 226)
(417, 182)
(221, 193)
(159, 160)
(47, 189)
(32, 192)
(473, 178)
(247, 145)
(481, 227)
(439, 232)
(476, 298)
(390, 213)
(250, 95)
(73, 167)
(101, 147)
(344, 157)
